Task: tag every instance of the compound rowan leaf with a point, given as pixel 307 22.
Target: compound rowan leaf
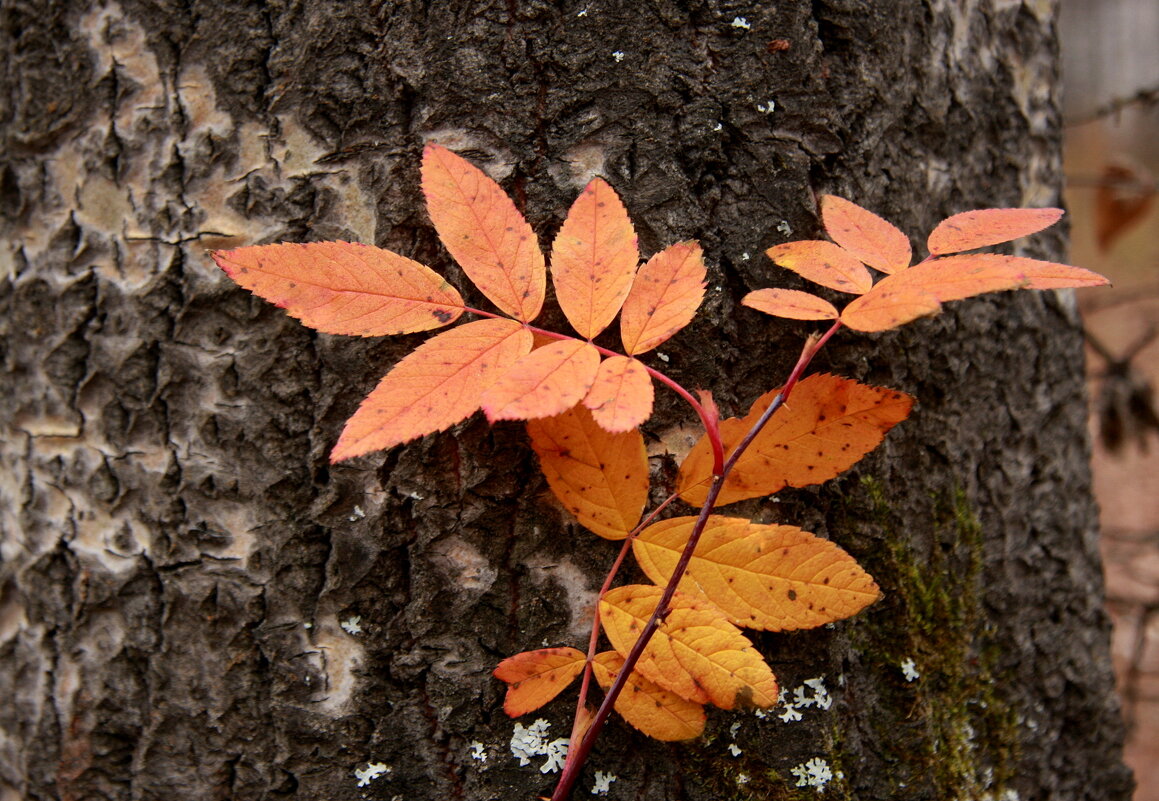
pixel 621 397
pixel 535 677
pixel 790 303
pixel 344 287
pixel 485 233
pixel 547 381
pixel 600 477
pixel 437 385
pixel 593 259
pixel 828 426
pixel 823 263
pixel 664 297
pixel 653 710
pixel 871 239
pixel 978 229
pixel 695 653
pixel 769 577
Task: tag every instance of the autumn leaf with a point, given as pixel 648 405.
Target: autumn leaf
pixel 621 397
pixel 829 426
pixel 485 233
pixel 868 237
pixel 664 297
pixel 695 653
pixel 984 227
pixel 535 677
pixel 593 259
pixel 546 381
pixel 790 303
pixel 823 263
pixel 769 577
pixel 600 477
pixel 344 287
pixel 653 710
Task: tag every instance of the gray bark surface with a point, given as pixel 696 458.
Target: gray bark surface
pixel 178 555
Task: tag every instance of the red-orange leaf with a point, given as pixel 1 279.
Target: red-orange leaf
pixel 600 477
pixel 648 706
pixel 978 229
pixel 621 397
pixel 664 297
pixel 434 387
pixel 875 241
pixel 823 263
pixel 790 303
pixel 535 677
pixel 546 381
pixel 593 259
pixel 829 424
pixel 485 233
pixel 344 287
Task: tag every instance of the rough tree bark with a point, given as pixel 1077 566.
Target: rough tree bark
pixel 178 555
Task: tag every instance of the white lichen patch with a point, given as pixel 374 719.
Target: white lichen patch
pixel 742 23
pixel 352 625
pixel 909 670
pixel 531 741
pixel 814 773
pixel 734 750
pixel 812 693
pixel 768 107
pixel 372 771
pixel 601 782
pixel 618 55
pixel 478 751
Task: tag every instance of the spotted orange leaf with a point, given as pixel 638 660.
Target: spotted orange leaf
pixel 790 303
pixel 871 239
pixel 823 263
pixel 344 287
pixel 485 233
pixel 769 577
pixel 664 297
pixel 649 707
pixel 593 259
pixel 829 424
pixel 695 653
pixel 600 477
pixel 978 229
pixel 546 381
pixel 621 397
pixel 535 677
pixel 435 386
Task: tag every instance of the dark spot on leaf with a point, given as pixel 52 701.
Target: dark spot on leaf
pixel 792 595
pixel 442 315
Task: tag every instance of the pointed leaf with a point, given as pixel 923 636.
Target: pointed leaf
pixel 546 381
pixel 344 287
pixel 790 303
pixel 695 652
pixel 978 229
pixel 829 424
pixel 886 307
pixel 485 233
pixel 774 578
pixel 823 263
pixel 871 239
pixel 438 384
pixel 593 259
pixel 653 710
pixel 664 297
pixel 621 397
pixel 599 477
pixel 535 677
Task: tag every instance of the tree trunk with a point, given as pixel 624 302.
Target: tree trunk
pixel 184 576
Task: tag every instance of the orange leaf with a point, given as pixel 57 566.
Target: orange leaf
pixel 599 477
pixel 823 263
pixel 978 229
pixel 593 259
pixel 886 307
pixel 344 287
pixel 664 297
pixel 790 303
pixel 775 578
pixel 871 239
pixel 485 233
pixel 546 381
pixel 695 652
pixel 828 426
pixel 535 677
pixel 647 706
pixel 435 386
pixel 621 397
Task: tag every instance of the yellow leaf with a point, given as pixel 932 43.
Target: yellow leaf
pixel 535 677
pixel 823 263
pixel 647 706
pixel 621 397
